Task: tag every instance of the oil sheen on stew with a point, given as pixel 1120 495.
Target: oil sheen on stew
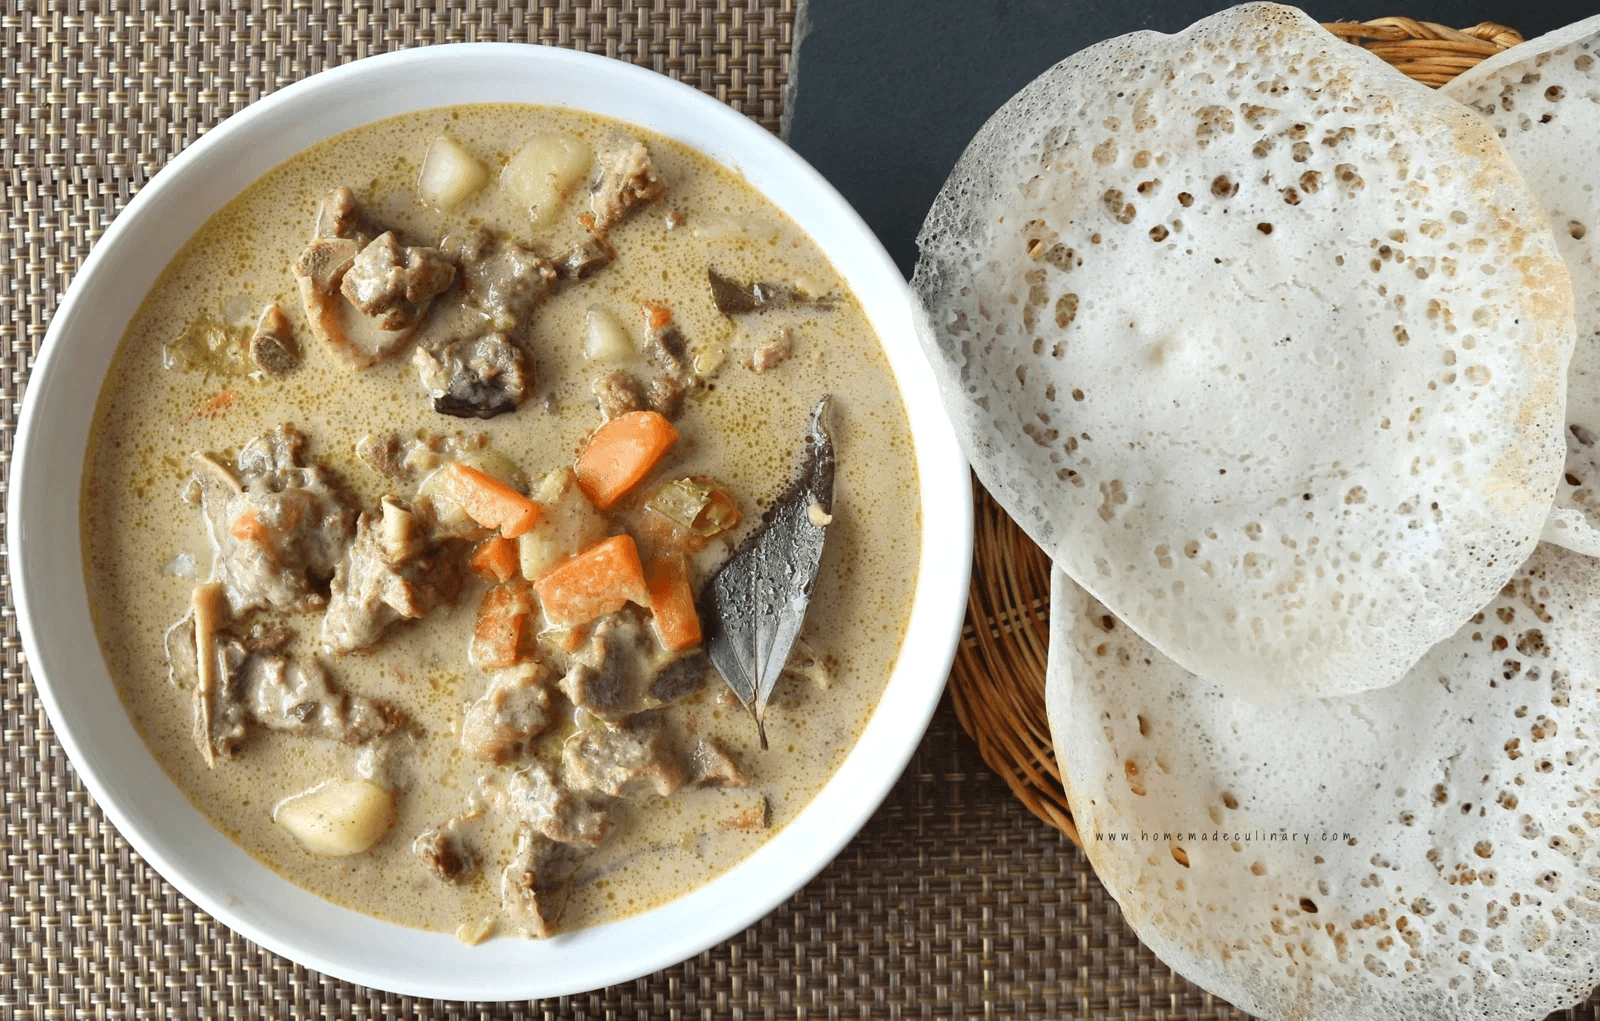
pixel 397 581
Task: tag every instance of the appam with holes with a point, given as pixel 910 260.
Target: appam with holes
pixel 1542 98
pixel 1262 341
pixel 1422 852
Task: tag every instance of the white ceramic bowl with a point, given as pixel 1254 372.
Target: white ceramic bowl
pixel 52 604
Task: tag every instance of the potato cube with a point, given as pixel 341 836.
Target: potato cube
pixel 449 174
pixel 337 817
pixel 542 174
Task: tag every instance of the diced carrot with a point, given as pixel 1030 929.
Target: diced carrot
pixel 247 527
pixel 672 603
pixel 501 626
pixel 620 454
pixel 659 316
pixel 595 582
pixel 213 407
pixel 495 559
pixel 490 502
pixel 575 639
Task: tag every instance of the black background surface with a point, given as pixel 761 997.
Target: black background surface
pixel 890 91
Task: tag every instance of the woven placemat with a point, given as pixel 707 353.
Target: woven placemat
pixel 954 902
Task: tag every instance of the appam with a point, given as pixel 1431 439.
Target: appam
pixel 1542 98
pixel 1427 851
pixel 1261 341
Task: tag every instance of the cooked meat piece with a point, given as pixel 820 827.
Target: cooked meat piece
pixel 237 682
pixel 773 353
pixel 277 528
pixel 272 346
pixel 626 180
pixel 533 796
pixel 666 396
pixel 710 765
pixel 445 852
pixel 665 348
pixel 386 454
pixel 392 571
pixel 355 339
pixel 536 884
pixel 630 762
pixel 680 678
pixel 609 675
pixel 403 459
pixel 584 259
pixel 394 284
pixel 501 632
pixel 478 377
pixel 339 215
pixel 618 393
pixel 300 699
pixel 504 279
pixel 513 711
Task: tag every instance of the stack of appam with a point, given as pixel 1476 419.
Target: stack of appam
pixel 1276 353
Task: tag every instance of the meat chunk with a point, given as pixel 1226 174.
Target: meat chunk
pixel 536 884
pixel 534 797
pixel 772 354
pixel 666 396
pixel 273 348
pixel 630 762
pixel 680 678
pixel 666 349
pixel 514 710
pixel 584 259
pixel 356 340
pixel 610 674
pixel 627 180
pixel 340 215
pixel 618 393
pixel 278 527
pixel 476 377
pixel 299 698
pixel 394 284
pixel 403 459
pixel 392 571
pixel 445 852
pixel 504 279
pixel 237 682
pixel 710 765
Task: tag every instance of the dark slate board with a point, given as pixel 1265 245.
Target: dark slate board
pixel 889 91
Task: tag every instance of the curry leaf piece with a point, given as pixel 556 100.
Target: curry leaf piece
pixel 753 606
pixel 733 298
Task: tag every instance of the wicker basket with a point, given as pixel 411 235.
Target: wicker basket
pixel 997 685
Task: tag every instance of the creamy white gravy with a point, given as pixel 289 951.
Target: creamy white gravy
pixel 747 430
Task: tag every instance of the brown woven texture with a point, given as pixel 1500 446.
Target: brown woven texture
pixel 953 903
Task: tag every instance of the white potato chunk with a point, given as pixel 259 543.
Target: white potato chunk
pixel 569 526
pixel 337 817
pixel 449 174
pixel 604 339
pixel 544 171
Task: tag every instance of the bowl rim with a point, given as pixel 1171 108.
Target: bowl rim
pixel 656 938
